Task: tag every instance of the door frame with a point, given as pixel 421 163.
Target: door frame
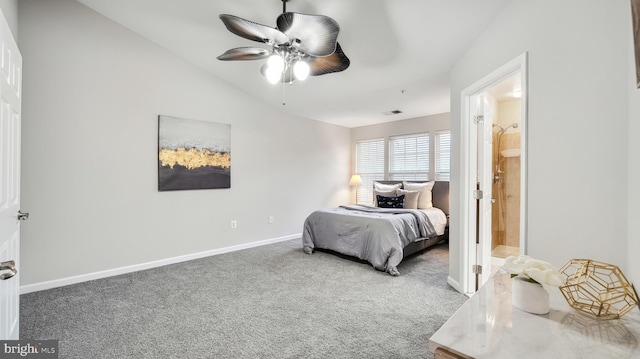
pixel 469 162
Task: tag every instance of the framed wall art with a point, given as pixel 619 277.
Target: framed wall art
pixel 193 154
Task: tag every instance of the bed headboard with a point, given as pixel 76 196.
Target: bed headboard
pixel 440 193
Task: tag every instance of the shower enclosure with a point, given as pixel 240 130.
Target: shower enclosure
pixel 506 190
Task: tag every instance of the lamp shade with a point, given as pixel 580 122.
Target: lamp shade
pixel 355 180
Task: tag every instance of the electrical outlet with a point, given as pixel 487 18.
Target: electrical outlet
pixel 234 224
pixel 270 219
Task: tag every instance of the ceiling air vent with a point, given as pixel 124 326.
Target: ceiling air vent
pixel 394 112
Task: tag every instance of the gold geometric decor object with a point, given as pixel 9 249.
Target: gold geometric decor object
pixel 597 288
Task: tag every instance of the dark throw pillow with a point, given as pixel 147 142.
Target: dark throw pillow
pixel 390 202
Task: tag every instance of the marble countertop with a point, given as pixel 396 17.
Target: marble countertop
pixel 488 326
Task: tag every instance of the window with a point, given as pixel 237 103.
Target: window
pixel 415 157
pixel 443 155
pixel 370 167
pixel 409 157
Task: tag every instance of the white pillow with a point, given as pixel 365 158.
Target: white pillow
pixel 425 198
pixel 410 198
pixel 386 187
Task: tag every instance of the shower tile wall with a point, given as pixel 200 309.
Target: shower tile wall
pixel 511 167
pixel 497 226
pixel 506 230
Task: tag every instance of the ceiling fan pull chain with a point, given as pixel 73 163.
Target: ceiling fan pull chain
pixel 284 103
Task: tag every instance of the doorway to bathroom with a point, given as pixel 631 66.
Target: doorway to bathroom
pixel 493 171
pixel 506 103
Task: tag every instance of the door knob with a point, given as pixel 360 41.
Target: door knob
pixel 8 265
pixel 23 216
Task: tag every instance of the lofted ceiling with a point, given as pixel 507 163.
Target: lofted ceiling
pixel 401 51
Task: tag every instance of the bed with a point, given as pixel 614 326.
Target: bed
pixel 383 236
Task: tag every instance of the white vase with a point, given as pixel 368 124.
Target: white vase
pixel 530 297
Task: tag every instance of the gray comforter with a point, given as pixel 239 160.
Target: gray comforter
pixel 377 235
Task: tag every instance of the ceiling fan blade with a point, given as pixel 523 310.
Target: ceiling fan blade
pixel 252 30
pixel 244 53
pixel 318 34
pixel 335 62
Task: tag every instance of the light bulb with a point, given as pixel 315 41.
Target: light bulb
pixel 517 91
pixel 301 70
pixel 276 62
pixel 272 75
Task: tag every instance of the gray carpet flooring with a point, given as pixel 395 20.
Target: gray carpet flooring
pixel 273 301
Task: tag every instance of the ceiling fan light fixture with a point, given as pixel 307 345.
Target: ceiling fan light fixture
pixel 273 75
pixel 301 70
pixel 276 63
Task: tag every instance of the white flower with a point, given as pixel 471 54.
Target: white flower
pixel 533 270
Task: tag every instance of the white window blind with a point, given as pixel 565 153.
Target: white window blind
pixel 409 157
pixel 443 155
pixel 370 167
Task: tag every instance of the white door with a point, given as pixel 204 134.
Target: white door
pixel 481 138
pixel 10 99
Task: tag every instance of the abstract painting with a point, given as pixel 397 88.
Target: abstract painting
pixel 193 154
pixel 635 14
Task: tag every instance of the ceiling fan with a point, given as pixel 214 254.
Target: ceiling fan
pixel 300 45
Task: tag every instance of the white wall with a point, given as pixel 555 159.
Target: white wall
pixel 415 125
pixel 633 237
pixel 10 11
pixel 577 126
pixel 508 113
pixel 92 94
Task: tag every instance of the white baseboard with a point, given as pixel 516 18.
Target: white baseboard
pixel 452 282
pixel 142 266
